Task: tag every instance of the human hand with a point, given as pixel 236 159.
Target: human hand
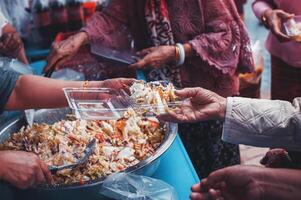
pixel 201 105
pixel 274 21
pixel 232 183
pixel 65 50
pixel 155 57
pixel 23 170
pixel 117 83
pixel 10 44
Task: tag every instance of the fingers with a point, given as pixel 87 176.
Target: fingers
pixel 140 64
pixel 144 52
pixel 217 177
pixel 285 15
pixel 172 117
pixel 278 33
pixel 39 176
pixel 188 92
pixel 215 194
pixel 46 172
pixel 196 187
pixel 127 81
pixel 200 196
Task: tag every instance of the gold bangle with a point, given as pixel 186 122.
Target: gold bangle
pixel 85 84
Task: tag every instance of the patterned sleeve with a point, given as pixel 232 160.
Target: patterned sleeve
pixel 8 80
pixel 260 6
pixel 225 44
pixel 104 24
pixel 263 123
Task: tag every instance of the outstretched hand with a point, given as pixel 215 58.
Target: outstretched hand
pixel 232 183
pixel 200 105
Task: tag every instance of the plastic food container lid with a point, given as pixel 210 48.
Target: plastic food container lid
pixel 293 28
pixel 97 103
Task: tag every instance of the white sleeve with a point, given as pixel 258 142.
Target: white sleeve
pixel 263 123
pixel 3 22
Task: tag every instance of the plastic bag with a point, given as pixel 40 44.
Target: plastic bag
pixel 250 82
pixel 67 74
pixel 134 187
pixel 15 65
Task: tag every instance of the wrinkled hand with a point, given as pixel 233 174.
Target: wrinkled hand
pixel 232 183
pixel 155 57
pixel 117 84
pixel 65 50
pixel 201 105
pixel 10 44
pixel 23 170
pixel 275 19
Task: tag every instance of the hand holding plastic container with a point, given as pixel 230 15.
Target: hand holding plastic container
pixel 293 28
pixel 146 99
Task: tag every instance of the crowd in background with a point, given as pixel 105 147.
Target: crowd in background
pixel 193 44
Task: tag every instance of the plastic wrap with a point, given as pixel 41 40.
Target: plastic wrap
pixel 134 187
pixel 250 83
pixel 68 75
pixel 15 65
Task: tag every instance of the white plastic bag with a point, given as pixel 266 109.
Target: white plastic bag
pixel 124 186
pixel 67 74
pixel 15 65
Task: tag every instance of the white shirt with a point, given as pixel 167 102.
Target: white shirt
pixel 3 22
pixel 263 123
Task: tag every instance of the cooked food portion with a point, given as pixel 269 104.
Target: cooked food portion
pixel 153 92
pixel 294 27
pixel 154 97
pixel 120 144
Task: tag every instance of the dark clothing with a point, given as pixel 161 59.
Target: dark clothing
pixel 8 79
pixel 286 80
pixel 205 147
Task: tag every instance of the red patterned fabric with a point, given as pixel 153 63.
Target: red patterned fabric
pixel 160 33
pixel 212 27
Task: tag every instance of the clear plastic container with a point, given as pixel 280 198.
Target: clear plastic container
pixel 293 28
pixel 97 104
pixel 159 105
pixel 109 104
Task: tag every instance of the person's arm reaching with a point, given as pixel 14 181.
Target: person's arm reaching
pixel 249 183
pixel 255 122
pixel 99 28
pixel 260 6
pixel 40 92
pixel 272 17
pixel 263 123
pixel 11 44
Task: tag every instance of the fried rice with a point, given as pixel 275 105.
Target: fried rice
pixel 120 144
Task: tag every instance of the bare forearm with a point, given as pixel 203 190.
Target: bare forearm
pixel 39 92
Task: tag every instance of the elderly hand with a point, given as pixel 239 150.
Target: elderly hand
pixel 155 57
pixel 10 44
pixel 232 183
pixel 201 105
pixel 23 170
pixel 65 50
pixel 275 19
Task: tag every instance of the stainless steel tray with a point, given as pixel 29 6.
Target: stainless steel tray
pixel 90 190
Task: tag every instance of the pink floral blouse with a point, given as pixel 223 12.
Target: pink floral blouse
pixel 212 27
